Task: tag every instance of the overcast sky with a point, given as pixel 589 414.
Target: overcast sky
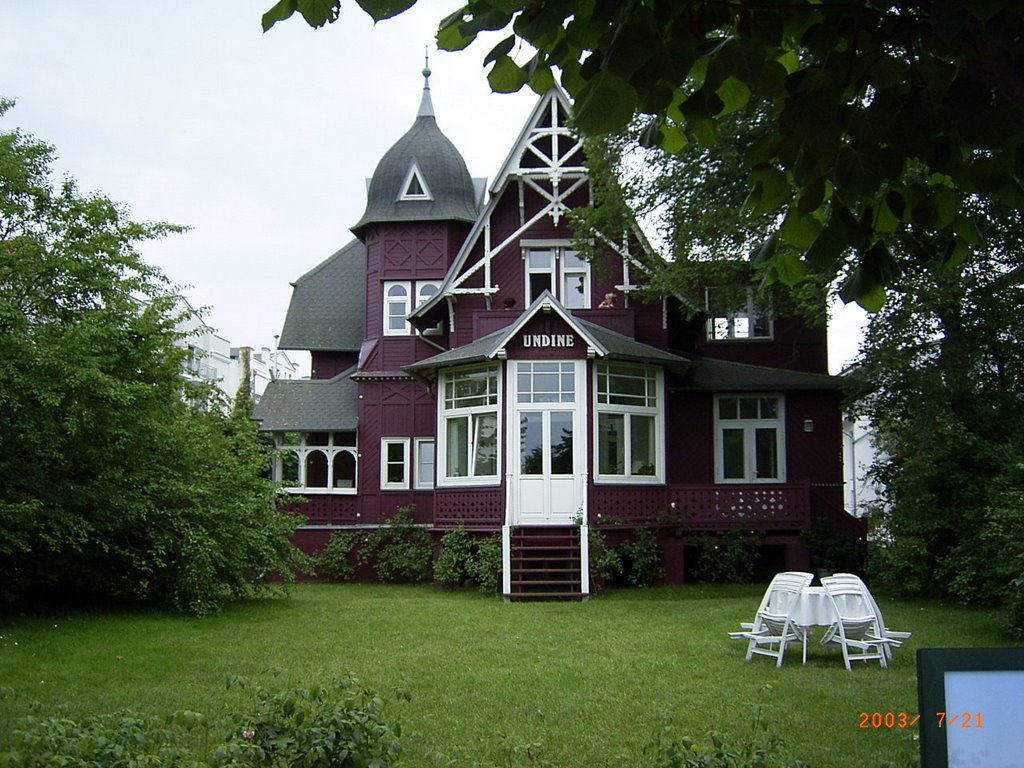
pixel 261 143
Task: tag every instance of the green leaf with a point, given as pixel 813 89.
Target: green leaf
pixel 319 12
pixel 450 35
pixel 873 299
pixel 501 49
pixel 385 9
pixel 282 10
pixel 672 139
pixel 790 268
pixel 606 103
pixel 800 231
pixel 734 94
pixel 770 191
pixel 542 80
pixel 826 250
pixel 506 76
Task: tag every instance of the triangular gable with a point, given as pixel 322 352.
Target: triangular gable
pixel 545 303
pixel 545 149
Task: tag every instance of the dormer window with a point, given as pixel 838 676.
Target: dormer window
pixel 735 314
pixel 414 187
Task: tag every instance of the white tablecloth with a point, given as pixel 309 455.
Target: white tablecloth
pixel 813 608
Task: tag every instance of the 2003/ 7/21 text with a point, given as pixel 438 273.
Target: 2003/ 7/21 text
pixel 904 720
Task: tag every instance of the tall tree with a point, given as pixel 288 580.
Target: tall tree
pixel 942 382
pixel 116 481
pixel 694 202
pixel 863 94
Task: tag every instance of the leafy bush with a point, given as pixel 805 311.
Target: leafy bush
pixel 485 565
pixel 337 560
pixel 725 559
pixel 400 550
pixel 452 566
pixel 336 726
pixel 641 557
pixel 605 562
pixel 463 558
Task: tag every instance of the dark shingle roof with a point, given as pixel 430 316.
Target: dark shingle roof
pixel 328 302
pixel 309 405
pixel 723 376
pixel 610 344
pixel 452 193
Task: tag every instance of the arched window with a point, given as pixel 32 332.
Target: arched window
pixel 316 469
pixel 344 470
pixel 397 304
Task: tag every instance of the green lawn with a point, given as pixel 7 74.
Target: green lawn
pixel 589 683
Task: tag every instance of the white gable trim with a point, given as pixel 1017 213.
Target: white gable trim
pixel 546 303
pixel 564 146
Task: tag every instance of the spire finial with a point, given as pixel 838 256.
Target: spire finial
pixel 426 105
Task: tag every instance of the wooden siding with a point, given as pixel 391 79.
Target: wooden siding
pixel 327 365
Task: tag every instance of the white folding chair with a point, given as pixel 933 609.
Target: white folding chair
pixel 857 629
pixel 772 631
pixel 895 637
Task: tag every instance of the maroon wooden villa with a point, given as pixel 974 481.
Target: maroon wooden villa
pixel 466 362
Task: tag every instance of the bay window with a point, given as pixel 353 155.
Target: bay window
pixel 469 426
pixel 629 423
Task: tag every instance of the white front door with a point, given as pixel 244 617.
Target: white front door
pixel 547 451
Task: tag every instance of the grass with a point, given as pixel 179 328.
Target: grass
pixel 589 684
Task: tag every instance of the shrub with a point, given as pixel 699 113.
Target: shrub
pixel 399 549
pixel 605 562
pixel 452 566
pixel 336 726
pixel 463 558
pixel 336 560
pixel 726 559
pixel 485 565
pixel 642 559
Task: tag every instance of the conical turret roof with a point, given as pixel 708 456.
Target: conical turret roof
pixel 421 178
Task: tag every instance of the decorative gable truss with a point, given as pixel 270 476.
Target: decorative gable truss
pixel 546 159
pixel 547 163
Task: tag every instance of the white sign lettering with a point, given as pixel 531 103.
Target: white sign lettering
pixel 548 340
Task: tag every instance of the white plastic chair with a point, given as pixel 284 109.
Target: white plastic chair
pixel 772 631
pixel 896 638
pixel 857 629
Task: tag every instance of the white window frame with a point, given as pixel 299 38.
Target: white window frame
pixel 447 412
pixel 405 194
pixel 749 427
pixel 404 303
pixel 422 481
pixel 385 443
pixel 726 326
pixel 557 271
pixel 420 285
pixel 653 409
pixel 575 270
pixel 302 451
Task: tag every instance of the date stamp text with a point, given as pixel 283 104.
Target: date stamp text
pixel 890 720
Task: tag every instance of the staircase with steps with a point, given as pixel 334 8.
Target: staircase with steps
pixel 546 563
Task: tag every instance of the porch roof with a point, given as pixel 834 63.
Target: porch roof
pixel 606 344
pixel 712 375
pixel 309 405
